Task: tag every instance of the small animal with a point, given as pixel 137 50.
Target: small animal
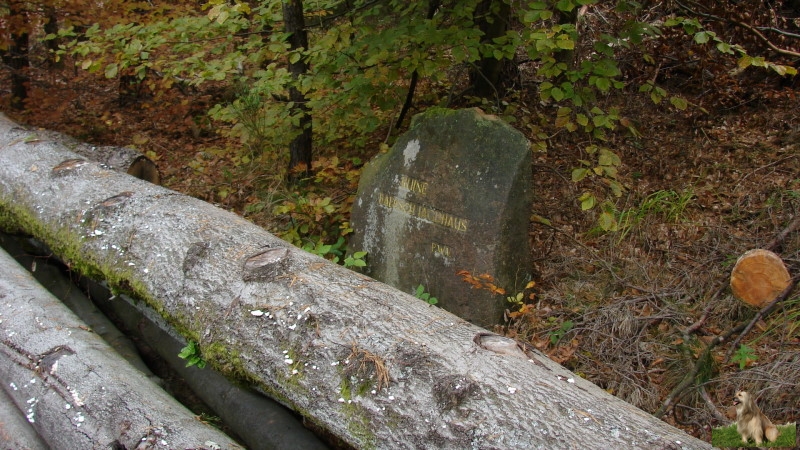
pixel 750 421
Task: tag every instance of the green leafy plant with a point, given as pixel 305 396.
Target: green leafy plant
pixel 519 307
pixel 744 356
pixel 421 294
pixel 356 260
pixel 701 35
pixel 191 353
pixel 557 334
pixel 603 167
pixel 335 253
pixel 317 222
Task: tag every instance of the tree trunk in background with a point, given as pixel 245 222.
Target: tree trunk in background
pixel 51 27
pixel 433 5
pixel 364 361
pixel 568 56
pixel 16 55
pixel 300 148
pixel 492 17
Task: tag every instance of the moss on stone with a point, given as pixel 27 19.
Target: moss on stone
pixel 431 113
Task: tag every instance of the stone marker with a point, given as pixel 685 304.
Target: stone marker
pixel 452 194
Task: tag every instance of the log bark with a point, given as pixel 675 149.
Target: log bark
pixel 15 431
pixel 372 365
pixel 124 159
pixel 73 389
pixel 241 410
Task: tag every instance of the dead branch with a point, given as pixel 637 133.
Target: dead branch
pixel 791 228
pixel 765 40
pixel 750 28
pixel 711 406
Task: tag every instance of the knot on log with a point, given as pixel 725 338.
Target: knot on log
pixel 197 251
pixel 95 216
pixel 67 167
pixel 144 169
pixel 451 391
pixel 265 265
pixel 499 344
pixel 118 199
pixel 47 361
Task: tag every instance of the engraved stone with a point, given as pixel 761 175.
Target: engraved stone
pixel 453 194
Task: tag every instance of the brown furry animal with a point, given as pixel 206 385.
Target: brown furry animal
pixel 750 421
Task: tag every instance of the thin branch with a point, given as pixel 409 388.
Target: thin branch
pixel 743 327
pixel 766 40
pixel 779 31
pixel 433 5
pixel 689 378
pixel 748 27
pixel 774 163
pixel 712 407
pixel 791 228
pixel 412 86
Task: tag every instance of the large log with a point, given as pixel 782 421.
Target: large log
pixel 123 159
pixel 239 409
pixel 372 365
pixel 73 389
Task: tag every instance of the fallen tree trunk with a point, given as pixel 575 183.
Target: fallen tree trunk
pixel 73 388
pixel 123 159
pixel 372 365
pixel 239 409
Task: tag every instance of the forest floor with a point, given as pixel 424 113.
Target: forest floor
pixel 630 310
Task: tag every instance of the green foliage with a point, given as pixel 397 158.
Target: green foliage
pixel 519 307
pixel 744 356
pixel 356 260
pixel 317 222
pixel 602 168
pixel 335 252
pixel 700 35
pixel 421 294
pixel 361 57
pixel 191 353
pixel 556 335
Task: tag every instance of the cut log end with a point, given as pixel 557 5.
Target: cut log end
pixel 144 169
pixel 758 277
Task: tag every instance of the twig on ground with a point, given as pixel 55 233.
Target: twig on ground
pixel 791 228
pixel 689 379
pixel 712 407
